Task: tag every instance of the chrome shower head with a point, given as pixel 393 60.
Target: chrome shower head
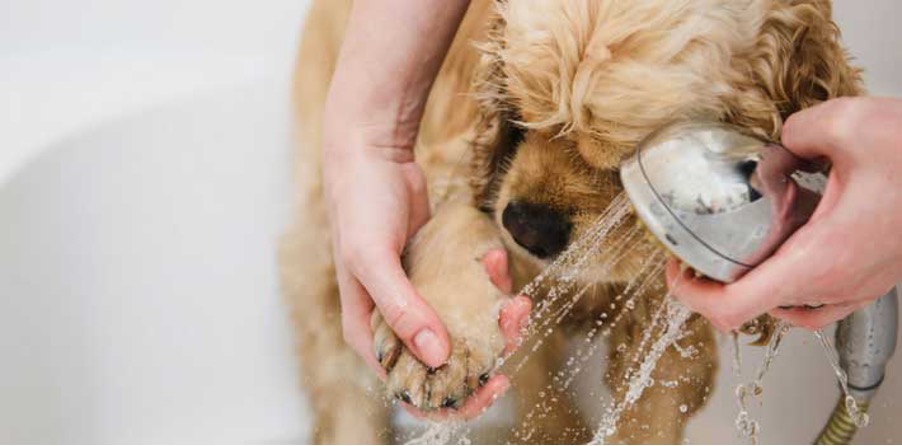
pixel 720 198
pixel 723 200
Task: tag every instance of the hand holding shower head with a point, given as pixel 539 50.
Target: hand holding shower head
pixel 720 198
pixel 723 200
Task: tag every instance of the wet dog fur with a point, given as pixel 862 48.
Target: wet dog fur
pixel 536 104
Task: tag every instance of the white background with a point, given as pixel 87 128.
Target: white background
pixel 144 157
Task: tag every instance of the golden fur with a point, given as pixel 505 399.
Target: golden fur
pixel 541 99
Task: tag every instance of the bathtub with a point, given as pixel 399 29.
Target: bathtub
pixel 143 184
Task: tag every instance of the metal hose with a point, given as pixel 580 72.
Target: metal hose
pixel 865 342
pixel 840 429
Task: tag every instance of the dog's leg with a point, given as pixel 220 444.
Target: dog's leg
pixel 545 414
pixel 444 264
pixel 683 377
pixel 343 392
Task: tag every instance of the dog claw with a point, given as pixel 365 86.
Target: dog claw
pixel 386 347
pixel 475 345
pixel 387 359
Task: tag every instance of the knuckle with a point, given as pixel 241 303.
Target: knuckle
pixel 810 322
pixel 731 320
pixel 717 319
pixel 719 324
pixel 401 319
pixel 363 257
pixel 844 116
pixel 351 254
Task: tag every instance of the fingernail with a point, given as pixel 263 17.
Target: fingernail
pixel 429 348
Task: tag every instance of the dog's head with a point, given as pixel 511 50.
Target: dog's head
pixel 569 87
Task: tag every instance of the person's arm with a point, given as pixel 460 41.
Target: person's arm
pixel 390 57
pixel 376 193
pixel 850 252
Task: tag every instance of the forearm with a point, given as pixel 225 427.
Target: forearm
pixel 392 52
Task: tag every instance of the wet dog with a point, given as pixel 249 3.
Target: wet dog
pixel 536 104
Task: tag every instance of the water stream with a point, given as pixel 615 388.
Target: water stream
pixel 671 317
pixel 646 278
pixel 553 289
pixel 748 428
pixel 858 416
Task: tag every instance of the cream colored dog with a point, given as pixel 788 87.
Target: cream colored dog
pixel 535 106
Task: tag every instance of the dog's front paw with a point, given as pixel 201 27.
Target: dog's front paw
pixel 470 365
pixel 457 264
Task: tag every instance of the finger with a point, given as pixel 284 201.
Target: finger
pixel 796 271
pixel 513 319
pixel 815 319
pixel 822 130
pixel 705 297
pixel 483 398
pixel 675 274
pixel 496 266
pixel 406 312
pixel 474 406
pixel 356 312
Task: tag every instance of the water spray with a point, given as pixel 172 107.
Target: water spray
pixel 723 200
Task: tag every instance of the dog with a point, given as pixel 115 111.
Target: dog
pixel 537 103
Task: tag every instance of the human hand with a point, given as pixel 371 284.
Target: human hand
pixel 375 193
pixel 849 253
pixel 377 200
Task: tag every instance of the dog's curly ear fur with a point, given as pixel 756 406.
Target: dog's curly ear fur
pixel 797 62
pixel 497 134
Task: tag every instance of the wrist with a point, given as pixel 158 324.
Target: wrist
pixel 384 118
pixel 345 143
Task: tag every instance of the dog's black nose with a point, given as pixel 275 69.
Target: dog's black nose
pixel 543 231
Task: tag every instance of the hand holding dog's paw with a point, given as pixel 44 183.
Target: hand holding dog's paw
pixel 483 324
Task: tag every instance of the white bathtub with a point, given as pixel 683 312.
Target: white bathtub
pixel 144 176
pixel 139 302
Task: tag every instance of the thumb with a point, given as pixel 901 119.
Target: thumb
pixel 406 312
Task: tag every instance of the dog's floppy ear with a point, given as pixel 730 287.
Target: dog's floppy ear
pixel 796 62
pixel 497 134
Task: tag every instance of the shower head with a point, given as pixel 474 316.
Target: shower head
pixel 719 197
pixel 723 200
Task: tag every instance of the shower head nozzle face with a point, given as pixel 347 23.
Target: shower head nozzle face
pixel 718 197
